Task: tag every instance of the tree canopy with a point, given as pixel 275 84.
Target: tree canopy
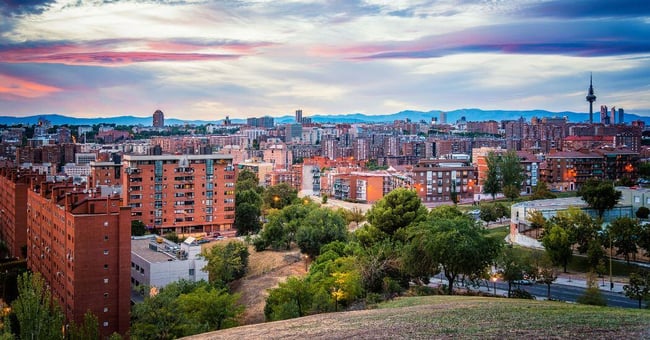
pixel 396 211
pixel 320 227
pixel 226 262
pixel 599 195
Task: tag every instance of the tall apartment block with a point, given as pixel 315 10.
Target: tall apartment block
pixel 158 119
pixel 180 193
pixel 81 245
pixel 437 180
pixel 14 185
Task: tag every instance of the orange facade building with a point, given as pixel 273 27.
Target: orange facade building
pixel 180 193
pixel 81 245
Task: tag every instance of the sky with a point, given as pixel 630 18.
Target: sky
pixel 197 59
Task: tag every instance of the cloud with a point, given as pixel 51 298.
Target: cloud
pixel 16 87
pixel 23 7
pixel 111 52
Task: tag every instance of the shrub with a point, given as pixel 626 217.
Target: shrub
pixel 521 294
pixel 642 212
pixel 592 296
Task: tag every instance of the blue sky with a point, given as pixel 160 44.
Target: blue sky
pixel 199 59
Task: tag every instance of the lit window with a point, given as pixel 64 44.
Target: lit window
pixel 106 252
pixel 105 323
pixel 105 280
pixel 105 309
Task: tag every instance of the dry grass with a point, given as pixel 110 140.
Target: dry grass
pixel 266 270
pixel 445 317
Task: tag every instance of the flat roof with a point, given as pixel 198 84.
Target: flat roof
pixel 128 157
pixel 554 203
pixel 140 246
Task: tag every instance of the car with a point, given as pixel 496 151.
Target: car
pixel 524 282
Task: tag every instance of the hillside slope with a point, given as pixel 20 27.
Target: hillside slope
pixel 456 317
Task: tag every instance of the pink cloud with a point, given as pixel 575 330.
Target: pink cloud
pixel 16 87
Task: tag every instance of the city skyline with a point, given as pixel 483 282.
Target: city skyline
pixel 208 60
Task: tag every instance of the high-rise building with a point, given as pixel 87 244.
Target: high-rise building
pixel 81 245
pixel 591 98
pixel 298 116
pixel 158 119
pixel 180 193
pixel 621 116
pixel 604 115
pixel 443 117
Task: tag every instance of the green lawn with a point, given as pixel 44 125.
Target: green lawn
pixel 498 232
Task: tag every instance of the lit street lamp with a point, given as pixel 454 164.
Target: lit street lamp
pixel 494 284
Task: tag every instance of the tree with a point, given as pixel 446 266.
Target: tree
pixel 459 245
pixel 280 231
pixel 512 267
pixel 89 329
pixel 279 196
pixel 546 274
pixel 381 260
pixel 511 191
pixel 292 299
pixel 642 213
pixel 558 246
pixel 541 191
pixel 320 227
pixel 138 228
pixel 584 229
pixel 488 213
pixel 355 215
pixel 536 219
pixel 639 287
pixel 159 316
pixel 599 195
pixel 492 183
pixel 644 238
pixel 395 212
pixel 624 232
pixel 592 295
pixel 247 180
pixel 595 254
pixel 247 212
pixel 37 312
pixel 210 308
pixel 226 263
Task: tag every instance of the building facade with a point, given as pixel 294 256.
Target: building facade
pixel 440 180
pixel 180 193
pixel 80 244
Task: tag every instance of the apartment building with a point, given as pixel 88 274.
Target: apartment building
pixel 81 246
pixel 437 180
pixel 180 193
pixel 14 185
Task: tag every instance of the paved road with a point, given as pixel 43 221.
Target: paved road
pixel 559 292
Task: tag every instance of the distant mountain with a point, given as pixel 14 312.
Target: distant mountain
pixel 414 116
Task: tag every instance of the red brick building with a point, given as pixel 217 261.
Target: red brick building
pixel 180 193
pixel 81 246
pixel 14 184
pixel 436 180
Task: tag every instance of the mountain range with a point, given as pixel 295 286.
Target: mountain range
pixel 414 116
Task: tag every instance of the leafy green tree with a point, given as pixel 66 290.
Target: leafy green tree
pixel 512 174
pixel 599 195
pixel 584 228
pixel 638 287
pixel 592 295
pixel 459 245
pixel 546 274
pixel 138 228
pixel 624 232
pixel 292 299
pixel 247 212
pixel 355 215
pixel 536 219
pixel 595 254
pixel 226 263
pixel 379 261
pixel 88 329
pixel 644 170
pixel 210 308
pixel 159 316
pixel 492 183
pixel 39 316
pixel 395 212
pixel 644 238
pixel 488 213
pixel 247 180
pixel 279 196
pixel 558 245
pixel 513 267
pixel 541 191
pixel 280 231
pixel 320 227
pixel 642 212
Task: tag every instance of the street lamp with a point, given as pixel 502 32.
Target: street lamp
pixel 494 284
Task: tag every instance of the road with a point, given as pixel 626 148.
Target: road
pixel 560 292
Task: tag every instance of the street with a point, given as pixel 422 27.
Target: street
pixel 559 292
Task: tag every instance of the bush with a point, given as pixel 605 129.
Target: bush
pixel 260 244
pixel 521 294
pixel 423 291
pixel 642 212
pixel 592 296
pixel 324 199
pixel 373 299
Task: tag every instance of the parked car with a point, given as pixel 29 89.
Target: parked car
pixel 524 282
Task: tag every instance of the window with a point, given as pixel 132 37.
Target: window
pixel 105 266
pixel 105 323
pixel 105 237
pixel 105 309
pixel 105 251
pixel 105 295
pixel 106 280
pixel 192 272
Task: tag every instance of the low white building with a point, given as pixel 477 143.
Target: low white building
pixel 156 261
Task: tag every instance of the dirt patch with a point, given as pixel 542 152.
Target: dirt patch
pixel 266 270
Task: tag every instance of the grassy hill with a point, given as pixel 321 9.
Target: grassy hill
pixel 456 317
